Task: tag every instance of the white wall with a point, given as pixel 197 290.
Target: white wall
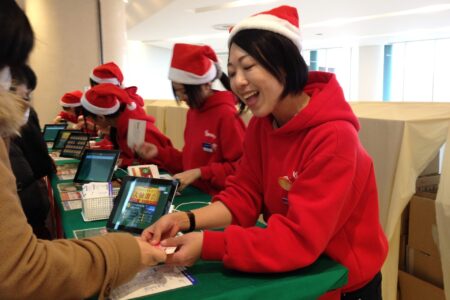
pixel 114 30
pixel 147 67
pixel 66 49
pixel 370 73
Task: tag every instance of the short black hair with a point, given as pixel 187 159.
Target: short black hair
pixel 194 96
pixel 92 82
pixel 24 75
pixel 16 35
pixel 278 55
pixel 194 92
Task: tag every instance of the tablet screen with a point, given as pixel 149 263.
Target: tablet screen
pixel 75 145
pixel 140 203
pixel 96 165
pixel 51 131
pixel 62 137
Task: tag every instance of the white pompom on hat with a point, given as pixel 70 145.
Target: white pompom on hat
pixel 107 73
pixel 194 64
pixel 71 99
pixel 104 99
pixel 282 20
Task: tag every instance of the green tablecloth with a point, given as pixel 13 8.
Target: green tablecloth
pixel 216 282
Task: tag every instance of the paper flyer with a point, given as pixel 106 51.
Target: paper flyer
pixel 69 191
pixel 150 171
pixel 66 171
pixel 154 280
pixel 87 233
pixel 71 205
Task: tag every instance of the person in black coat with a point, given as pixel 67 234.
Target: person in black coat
pixel 29 157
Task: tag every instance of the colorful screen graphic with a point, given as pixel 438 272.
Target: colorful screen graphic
pixel 141 204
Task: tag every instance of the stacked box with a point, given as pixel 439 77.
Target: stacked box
pixel 420 271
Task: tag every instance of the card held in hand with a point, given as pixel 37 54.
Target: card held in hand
pixel 136 132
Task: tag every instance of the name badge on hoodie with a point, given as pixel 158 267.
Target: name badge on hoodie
pixel 208 147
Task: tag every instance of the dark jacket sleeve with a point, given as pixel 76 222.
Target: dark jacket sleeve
pixel 32 192
pixel 34 147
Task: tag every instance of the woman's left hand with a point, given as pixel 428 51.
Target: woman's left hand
pixel 189 249
pixel 187 177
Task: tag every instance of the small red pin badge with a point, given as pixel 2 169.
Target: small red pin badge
pixel 285 183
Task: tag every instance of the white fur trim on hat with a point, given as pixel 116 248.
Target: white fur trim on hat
pixel 64 104
pixel 131 106
pixel 113 80
pixel 184 77
pixel 269 23
pixel 99 110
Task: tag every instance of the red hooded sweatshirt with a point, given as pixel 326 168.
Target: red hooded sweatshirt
pixel 213 138
pixel 132 93
pixel 331 207
pixel 152 135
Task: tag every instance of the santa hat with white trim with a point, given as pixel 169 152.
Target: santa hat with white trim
pixel 105 99
pixel 282 20
pixel 194 64
pixel 71 99
pixel 107 73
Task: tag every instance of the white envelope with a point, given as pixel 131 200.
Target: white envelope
pixel 136 132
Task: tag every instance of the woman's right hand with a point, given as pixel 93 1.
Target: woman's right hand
pixel 166 227
pixel 147 150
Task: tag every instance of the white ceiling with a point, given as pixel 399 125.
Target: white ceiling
pixel 165 22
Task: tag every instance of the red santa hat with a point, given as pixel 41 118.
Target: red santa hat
pixel 105 99
pixel 193 64
pixel 71 99
pixel 107 73
pixel 282 20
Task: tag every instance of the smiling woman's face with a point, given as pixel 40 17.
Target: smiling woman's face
pixel 252 83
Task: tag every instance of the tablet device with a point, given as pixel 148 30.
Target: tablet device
pixel 96 166
pixel 51 131
pixel 75 145
pixel 141 202
pixel 62 137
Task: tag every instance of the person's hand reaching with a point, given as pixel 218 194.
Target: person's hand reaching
pixel 150 255
pixel 187 177
pixel 146 151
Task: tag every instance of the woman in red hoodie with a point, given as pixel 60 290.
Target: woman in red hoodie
pixel 110 73
pixel 214 131
pixel 110 106
pixel 70 103
pixel 73 113
pixel 303 168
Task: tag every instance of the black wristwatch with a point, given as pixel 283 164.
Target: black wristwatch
pixel 191 217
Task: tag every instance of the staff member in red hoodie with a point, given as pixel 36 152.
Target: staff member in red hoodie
pixel 110 106
pixel 303 168
pixel 111 73
pixel 214 131
pixel 70 103
pixel 73 112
